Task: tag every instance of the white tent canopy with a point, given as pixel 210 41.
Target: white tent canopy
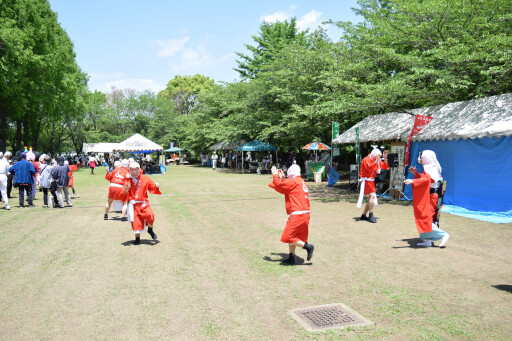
pixel 137 143
pixel 99 147
pixel 485 117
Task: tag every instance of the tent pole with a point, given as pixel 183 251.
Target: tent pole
pixel 242 162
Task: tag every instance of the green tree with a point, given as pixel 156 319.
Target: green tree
pixel 183 91
pixel 39 78
pixel 272 39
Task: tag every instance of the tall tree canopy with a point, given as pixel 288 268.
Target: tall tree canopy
pixel 40 81
pixel 404 54
pixel 273 38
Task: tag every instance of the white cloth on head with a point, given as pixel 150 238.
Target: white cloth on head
pixel 293 171
pixel 375 153
pixel 431 165
pixel 117 164
pixel 125 163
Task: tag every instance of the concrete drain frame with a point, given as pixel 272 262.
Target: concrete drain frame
pixel 329 316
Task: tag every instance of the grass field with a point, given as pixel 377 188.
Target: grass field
pixel 216 272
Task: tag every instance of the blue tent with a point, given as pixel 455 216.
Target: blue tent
pixel 172 150
pixel 256 146
pixel 472 141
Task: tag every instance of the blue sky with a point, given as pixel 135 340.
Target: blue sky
pixel 144 44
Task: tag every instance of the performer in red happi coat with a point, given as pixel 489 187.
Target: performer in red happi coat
pixel 116 190
pixel 370 167
pixel 72 168
pixel 297 206
pixel 425 187
pixel 140 213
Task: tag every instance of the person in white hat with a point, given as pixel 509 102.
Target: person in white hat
pixel 297 207
pixel 425 188
pixel 140 213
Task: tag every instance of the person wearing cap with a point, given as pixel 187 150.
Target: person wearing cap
pixel 296 198
pixel 140 213
pixel 61 178
pixel 24 177
pixel 4 171
pixel 425 188
pixel 369 169
pixel 116 190
pixel 46 179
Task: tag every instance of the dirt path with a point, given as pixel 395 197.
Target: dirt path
pixel 215 272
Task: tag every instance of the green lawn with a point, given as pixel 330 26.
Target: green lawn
pixel 215 272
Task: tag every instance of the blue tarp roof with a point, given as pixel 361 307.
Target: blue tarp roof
pixel 173 149
pixel 255 146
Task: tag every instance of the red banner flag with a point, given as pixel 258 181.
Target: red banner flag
pixel 420 122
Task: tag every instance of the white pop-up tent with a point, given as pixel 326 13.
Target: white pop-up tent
pixel 99 147
pixel 138 143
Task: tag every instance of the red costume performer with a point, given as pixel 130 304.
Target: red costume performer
pixel 370 167
pixel 117 178
pixel 297 206
pixel 139 212
pixel 424 192
pixel 423 202
pixel 72 168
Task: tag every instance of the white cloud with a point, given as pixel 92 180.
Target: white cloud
pixel 131 83
pixel 310 20
pixel 279 16
pixel 227 57
pixel 275 17
pixel 170 47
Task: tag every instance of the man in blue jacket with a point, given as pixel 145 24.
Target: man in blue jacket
pixel 24 177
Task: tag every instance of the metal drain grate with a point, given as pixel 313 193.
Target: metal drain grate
pixel 329 316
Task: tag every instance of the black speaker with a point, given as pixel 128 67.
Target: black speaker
pixel 393 160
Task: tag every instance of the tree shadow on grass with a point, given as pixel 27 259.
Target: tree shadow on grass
pixel 284 256
pixel 504 287
pixel 142 242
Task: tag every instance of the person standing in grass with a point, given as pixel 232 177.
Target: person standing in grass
pixel 140 213
pixel 214 158
pixel 46 179
pixel 425 189
pixel 369 169
pixel 4 171
pixel 24 177
pixel 93 162
pixel 297 206
pixel 72 168
pixel 61 179
pixel 116 190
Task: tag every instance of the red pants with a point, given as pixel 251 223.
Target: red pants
pixel 142 215
pixel 116 193
pixel 296 229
